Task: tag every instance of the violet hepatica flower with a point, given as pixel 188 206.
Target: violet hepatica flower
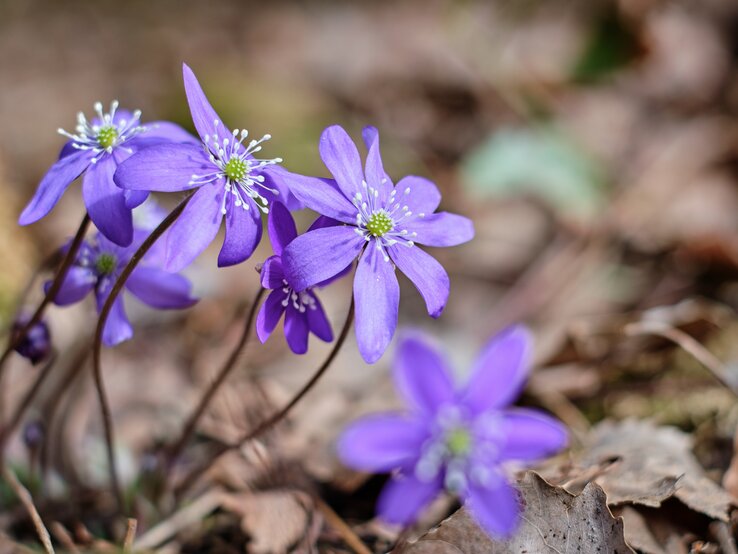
pixel 98 265
pixel 383 226
pixel 454 437
pixel 303 313
pixel 95 149
pixel 231 183
pixel 36 345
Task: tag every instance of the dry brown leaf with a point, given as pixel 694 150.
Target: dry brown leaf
pixel 553 521
pixel 637 532
pixel 276 521
pixel 653 464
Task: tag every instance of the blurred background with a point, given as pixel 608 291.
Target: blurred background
pixel 594 144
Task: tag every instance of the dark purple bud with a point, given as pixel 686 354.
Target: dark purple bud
pixel 33 434
pixel 36 344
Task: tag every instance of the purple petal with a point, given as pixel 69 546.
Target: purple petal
pixel 441 229
pixel 77 284
pixel 162 131
pixel 296 330
pixel 321 223
pixel 196 227
pixel 375 174
pixel 420 195
pixel 496 509
pixel 340 156
pixel 270 314
pixel 117 328
pixel 160 289
pixel 382 442
pixel 319 255
pixel 272 273
pixel 318 322
pixel 165 167
pixel 530 435
pixel 106 203
pixel 277 178
pixel 403 497
pixel 67 149
pixel 426 273
pixel 322 196
pixel 53 185
pixel 500 371
pixel 377 296
pixel 134 198
pixel 242 234
pixel 206 121
pixel 421 375
pixel 282 229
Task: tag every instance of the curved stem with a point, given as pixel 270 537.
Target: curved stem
pixel 189 429
pixel 267 424
pixel 97 342
pixel 17 337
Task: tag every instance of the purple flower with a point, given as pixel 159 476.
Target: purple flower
pixel 95 150
pixel 383 226
pixel 231 182
pixel 37 343
pixel 303 311
pixel 97 267
pixel 454 437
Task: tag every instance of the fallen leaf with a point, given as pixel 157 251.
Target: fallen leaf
pixel 553 521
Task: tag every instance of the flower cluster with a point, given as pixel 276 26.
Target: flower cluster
pixel 451 437
pixel 454 437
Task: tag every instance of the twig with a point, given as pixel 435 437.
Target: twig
pixel 97 343
pixel 189 429
pixel 688 344
pixel 132 525
pixel 25 497
pixel 192 513
pixel 64 537
pixel 722 533
pixel 335 521
pixel 192 477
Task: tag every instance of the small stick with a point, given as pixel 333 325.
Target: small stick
pixel 130 535
pixel 97 343
pixel 27 500
pixel 688 344
pixel 192 477
pixel 335 521
pixel 187 516
pixel 64 537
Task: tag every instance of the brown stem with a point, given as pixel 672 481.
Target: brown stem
pixel 189 429
pixel 267 424
pixel 17 337
pixel 25 403
pixel 97 342
pixel 27 500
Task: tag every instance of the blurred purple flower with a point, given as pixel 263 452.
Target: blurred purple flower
pixel 96 149
pixel 383 222
pixel 98 264
pixel 454 438
pixel 231 182
pixel 303 312
pixel 37 343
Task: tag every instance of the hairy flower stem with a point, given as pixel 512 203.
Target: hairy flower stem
pixel 17 337
pixel 97 343
pixel 267 424
pixel 172 453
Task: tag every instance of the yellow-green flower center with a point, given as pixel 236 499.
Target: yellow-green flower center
pixel 236 169
pixel 107 136
pixel 379 224
pixel 458 441
pixel 105 264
